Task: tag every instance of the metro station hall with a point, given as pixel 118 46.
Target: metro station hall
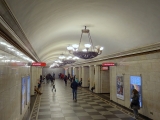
pixel 79 59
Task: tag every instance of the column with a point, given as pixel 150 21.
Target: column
pixel 105 82
pixel 91 76
pixel 85 76
pixel 80 73
pixel 66 71
pixel 69 71
pixel 97 79
pixel 76 72
pixel 35 76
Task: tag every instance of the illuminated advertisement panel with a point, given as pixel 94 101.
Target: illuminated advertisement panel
pixel 120 87
pixel 136 83
pixel 23 94
pixel 28 89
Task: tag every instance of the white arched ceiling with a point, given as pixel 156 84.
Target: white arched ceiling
pixel 118 25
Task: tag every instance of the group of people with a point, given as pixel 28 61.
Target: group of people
pixel 49 77
pixel 71 79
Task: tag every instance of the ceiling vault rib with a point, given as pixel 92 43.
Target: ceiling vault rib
pixel 9 18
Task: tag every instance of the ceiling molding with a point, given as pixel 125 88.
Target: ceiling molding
pixel 11 21
pixel 12 42
pixel 11 37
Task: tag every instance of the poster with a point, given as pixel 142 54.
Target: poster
pixel 23 94
pixel 28 90
pixel 120 87
pixel 136 83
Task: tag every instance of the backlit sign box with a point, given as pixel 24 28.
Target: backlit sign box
pixel 39 64
pixel 104 68
pixel 108 64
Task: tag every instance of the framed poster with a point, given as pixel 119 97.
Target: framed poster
pixel 120 87
pixel 28 90
pixel 23 94
pixel 136 83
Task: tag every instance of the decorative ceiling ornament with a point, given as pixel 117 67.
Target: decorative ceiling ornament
pixel 68 59
pixel 89 52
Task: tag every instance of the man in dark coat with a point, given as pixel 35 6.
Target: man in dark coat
pixel 74 86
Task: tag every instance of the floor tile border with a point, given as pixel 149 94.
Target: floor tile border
pixel 35 110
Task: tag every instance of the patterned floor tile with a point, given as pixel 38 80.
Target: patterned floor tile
pixel 59 105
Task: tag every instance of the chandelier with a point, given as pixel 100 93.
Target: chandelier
pixel 89 52
pixel 54 65
pixel 68 59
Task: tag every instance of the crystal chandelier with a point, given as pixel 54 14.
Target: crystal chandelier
pixel 89 52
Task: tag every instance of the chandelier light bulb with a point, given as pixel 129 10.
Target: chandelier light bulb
pixel 77 57
pixel 84 50
pixel 75 46
pixel 69 48
pixel 101 48
pixel 87 45
pixel 62 57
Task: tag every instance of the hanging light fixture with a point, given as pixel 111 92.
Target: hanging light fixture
pixel 89 52
pixel 68 59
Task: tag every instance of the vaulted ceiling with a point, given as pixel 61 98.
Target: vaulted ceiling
pixel 118 25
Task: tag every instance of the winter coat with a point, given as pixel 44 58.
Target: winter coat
pixel 135 102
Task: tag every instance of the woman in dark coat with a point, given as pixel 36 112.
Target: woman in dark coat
pixel 135 103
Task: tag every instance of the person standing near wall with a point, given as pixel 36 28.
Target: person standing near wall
pixel 135 103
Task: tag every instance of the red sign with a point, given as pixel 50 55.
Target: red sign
pixel 104 68
pixel 39 64
pixel 108 64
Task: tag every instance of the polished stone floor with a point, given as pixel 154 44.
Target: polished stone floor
pixel 59 105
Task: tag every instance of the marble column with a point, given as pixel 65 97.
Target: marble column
pixel 97 79
pixel 69 71
pixel 35 77
pixel 66 71
pixel 76 72
pixel 85 76
pixel 105 81
pixel 91 76
pixel 80 73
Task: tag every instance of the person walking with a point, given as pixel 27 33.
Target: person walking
pixel 135 103
pixel 74 86
pixel 65 79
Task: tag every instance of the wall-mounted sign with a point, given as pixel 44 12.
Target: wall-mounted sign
pixel 39 64
pixel 104 68
pixel 108 64
pixel 136 83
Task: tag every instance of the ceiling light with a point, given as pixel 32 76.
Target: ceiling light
pixel 89 52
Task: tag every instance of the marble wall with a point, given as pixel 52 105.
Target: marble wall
pixel 10 91
pixel 148 67
pixel 13 66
